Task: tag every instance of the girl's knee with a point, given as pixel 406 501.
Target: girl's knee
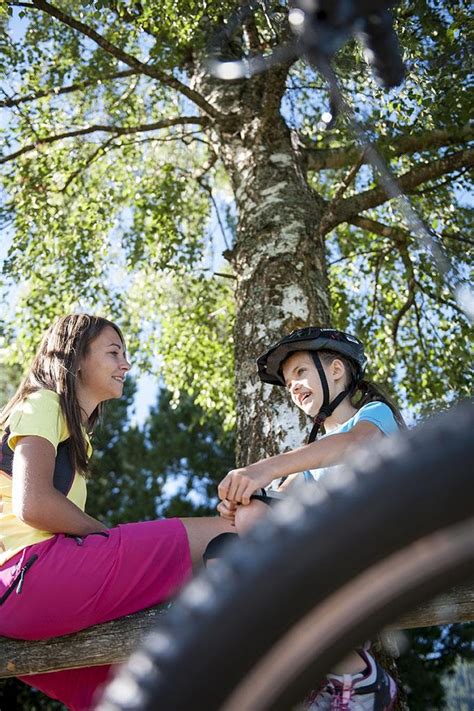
pixel 247 516
pixel 200 531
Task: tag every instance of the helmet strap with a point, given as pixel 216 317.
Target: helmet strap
pixel 327 408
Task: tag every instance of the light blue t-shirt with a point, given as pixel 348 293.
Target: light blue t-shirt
pixel 376 412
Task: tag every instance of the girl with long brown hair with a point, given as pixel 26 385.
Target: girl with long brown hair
pixel 60 569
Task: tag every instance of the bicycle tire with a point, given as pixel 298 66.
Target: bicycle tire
pixel 254 633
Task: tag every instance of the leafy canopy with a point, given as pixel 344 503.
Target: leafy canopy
pixel 113 187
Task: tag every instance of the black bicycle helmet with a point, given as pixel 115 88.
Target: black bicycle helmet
pixel 314 339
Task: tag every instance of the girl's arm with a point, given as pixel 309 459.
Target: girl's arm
pixel 36 501
pixel 239 484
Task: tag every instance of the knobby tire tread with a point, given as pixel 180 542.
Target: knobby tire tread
pixel 322 537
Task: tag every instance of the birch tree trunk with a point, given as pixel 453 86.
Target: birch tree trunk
pixel 278 257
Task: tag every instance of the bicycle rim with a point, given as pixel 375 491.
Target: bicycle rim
pixel 361 608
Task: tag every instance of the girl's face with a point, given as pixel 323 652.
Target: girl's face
pixel 303 382
pixel 101 372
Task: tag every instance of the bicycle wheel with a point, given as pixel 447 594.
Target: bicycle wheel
pixel 331 567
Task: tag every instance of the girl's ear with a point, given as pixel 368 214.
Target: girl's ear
pixel 337 369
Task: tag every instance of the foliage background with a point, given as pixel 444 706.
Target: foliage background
pixel 117 187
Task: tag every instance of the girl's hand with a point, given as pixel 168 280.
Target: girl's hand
pixel 227 510
pixel 239 484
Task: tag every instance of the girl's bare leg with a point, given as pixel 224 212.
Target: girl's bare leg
pixel 200 531
pixel 352 664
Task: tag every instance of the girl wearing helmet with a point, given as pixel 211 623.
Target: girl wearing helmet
pixel 323 370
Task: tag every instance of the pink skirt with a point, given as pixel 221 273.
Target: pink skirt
pixel 75 583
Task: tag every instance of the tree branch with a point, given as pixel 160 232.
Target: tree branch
pixel 410 300
pixel 350 207
pixel 9 103
pixel 187 138
pixel 324 158
pixel 100 150
pixel 437 298
pixel 128 59
pixel 347 180
pixel 398 234
pixel 401 238
pixel 419 328
pixel 354 255
pixel 225 276
pixel 208 189
pixel 457 238
pixel 378 266
pixel 116 130
pixel 441 184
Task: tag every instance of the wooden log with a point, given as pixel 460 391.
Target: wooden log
pixel 457 605
pixel 108 643
pixel 113 642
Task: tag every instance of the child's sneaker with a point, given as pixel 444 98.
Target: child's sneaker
pixel 370 690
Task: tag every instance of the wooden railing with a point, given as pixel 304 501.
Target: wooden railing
pixel 112 642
